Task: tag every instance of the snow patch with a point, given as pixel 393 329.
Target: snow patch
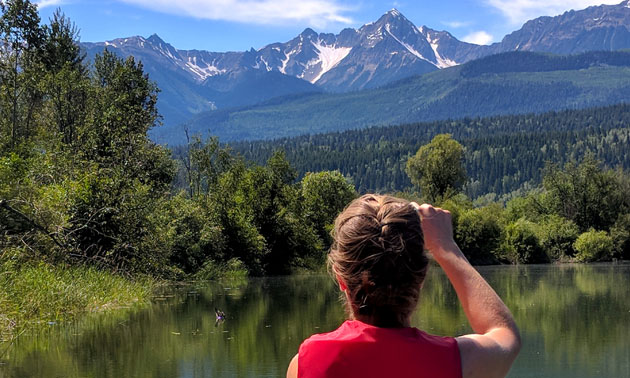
pixel 407 46
pixel 328 56
pixel 262 59
pixel 202 71
pixel 286 61
pixel 441 61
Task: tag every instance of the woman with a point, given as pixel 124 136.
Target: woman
pixel 379 262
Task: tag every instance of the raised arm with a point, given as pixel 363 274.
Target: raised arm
pixel 493 348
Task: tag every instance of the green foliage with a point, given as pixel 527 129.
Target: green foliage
pixel 22 38
pixel 620 234
pixel 530 207
pixel 593 246
pixel 503 155
pixel 437 168
pixel 584 193
pixel 38 292
pixel 325 194
pixel 456 205
pixel 521 244
pixel 232 269
pixel 557 236
pixel 478 234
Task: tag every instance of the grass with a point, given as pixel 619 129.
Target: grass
pixel 38 293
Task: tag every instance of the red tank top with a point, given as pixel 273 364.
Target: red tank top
pixel 357 349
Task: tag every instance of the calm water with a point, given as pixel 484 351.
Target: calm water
pixel 575 322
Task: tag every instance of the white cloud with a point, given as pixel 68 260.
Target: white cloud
pixel 520 11
pixel 456 24
pixel 313 12
pixel 47 3
pixel 478 38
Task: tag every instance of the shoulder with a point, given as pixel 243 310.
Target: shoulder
pixel 292 371
pixel 438 341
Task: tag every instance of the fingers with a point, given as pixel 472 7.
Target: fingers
pixel 428 211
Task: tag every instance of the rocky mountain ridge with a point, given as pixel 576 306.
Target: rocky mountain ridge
pixel 374 55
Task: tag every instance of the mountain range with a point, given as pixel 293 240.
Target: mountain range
pixel 516 82
pixel 375 55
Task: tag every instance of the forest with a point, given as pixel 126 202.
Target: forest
pixel 504 155
pixel 92 208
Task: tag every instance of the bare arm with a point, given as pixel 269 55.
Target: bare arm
pixel 292 371
pixel 491 351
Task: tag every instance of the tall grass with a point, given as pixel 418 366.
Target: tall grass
pixel 37 293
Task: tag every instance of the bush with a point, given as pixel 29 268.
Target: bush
pixel 557 236
pixel 324 195
pixel 593 246
pixel 212 270
pixel 620 234
pixel 530 207
pixel 521 244
pixel 478 234
pixel 457 205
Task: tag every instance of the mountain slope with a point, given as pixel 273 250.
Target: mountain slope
pixel 540 83
pixel 376 54
pixel 503 153
pixel 604 27
pixel 190 81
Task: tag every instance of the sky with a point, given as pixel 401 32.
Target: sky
pixel 237 25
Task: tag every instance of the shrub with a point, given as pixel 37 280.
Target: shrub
pixel 478 234
pixel 593 246
pixel 620 234
pixel 530 207
pixel 557 236
pixel 231 269
pixel 521 244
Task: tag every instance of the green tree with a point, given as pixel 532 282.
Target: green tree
pixel 67 78
pixel 620 234
pixel 521 244
pixel 593 246
pixel 585 193
pixel 478 234
pixel 438 168
pixel 324 195
pixel 557 236
pixel 21 40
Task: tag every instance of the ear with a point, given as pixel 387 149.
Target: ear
pixel 342 285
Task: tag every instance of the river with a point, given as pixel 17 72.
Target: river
pixel 574 319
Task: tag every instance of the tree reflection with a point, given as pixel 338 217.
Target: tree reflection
pixel 575 321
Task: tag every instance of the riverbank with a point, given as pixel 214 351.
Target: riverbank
pixel 39 293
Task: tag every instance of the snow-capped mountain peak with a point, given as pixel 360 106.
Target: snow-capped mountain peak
pixel 379 52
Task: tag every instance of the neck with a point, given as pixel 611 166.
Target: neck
pixel 383 323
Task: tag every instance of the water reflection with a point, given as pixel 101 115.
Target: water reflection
pixel 575 321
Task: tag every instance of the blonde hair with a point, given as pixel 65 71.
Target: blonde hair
pixel 378 253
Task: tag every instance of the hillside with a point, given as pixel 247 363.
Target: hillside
pixel 537 83
pixel 503 154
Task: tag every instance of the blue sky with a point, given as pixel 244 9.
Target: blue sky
pixel 235 25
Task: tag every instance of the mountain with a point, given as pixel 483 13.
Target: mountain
pixel 509 83
pixel 190 81
pixel 376 54
pixel 604 27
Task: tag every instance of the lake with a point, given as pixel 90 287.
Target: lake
pixel 574 319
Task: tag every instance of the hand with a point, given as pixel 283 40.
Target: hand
pixel 437 227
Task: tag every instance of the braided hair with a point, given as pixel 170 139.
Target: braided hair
pixel 378 253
